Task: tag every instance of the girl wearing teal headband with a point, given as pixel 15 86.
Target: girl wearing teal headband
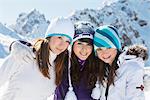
pixel 35 75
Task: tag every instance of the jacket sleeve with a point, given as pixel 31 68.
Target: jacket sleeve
pixel 8 67
pixel 134 85
pixel 19 55
pixel 146 80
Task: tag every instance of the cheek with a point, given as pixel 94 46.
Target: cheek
pixel 75 48
pixel 66 45
pixel 99 55
pixel 114 55
pixel 52 40
pixel 114 52
pixel 90 50
pixel 56 41
pixel 51 45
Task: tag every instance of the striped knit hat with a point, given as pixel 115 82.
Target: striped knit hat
pixel 107 36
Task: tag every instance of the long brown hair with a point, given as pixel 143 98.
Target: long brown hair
pixel 107 72
pixel 89 67
pixel 42 49
pixel 59 65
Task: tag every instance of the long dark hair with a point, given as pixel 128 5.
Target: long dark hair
pixel 42 49
pixel 107 72
pixel 89 68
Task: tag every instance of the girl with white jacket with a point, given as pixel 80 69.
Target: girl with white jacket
pixel 34 76
pixel 120 75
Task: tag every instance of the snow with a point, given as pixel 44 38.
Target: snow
pixel 7 36
pixel 31 25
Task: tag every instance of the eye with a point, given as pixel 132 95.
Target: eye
pixel 68 42
pixel 99 49
pixel 79 43
pixel 60 37
pixel 89 44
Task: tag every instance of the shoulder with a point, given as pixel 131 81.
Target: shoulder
pixel 20 49
pixel 17 47
pixel 134 66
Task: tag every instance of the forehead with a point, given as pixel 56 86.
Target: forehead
pixel 104 48
pixel 63 37
pixel 78 41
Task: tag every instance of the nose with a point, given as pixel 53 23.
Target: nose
pixel 84 48
pixel 105 54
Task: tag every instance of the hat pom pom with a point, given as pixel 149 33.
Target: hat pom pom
pixel 96 92
pixel 70 94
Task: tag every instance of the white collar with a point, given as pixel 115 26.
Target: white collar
pixel 52 57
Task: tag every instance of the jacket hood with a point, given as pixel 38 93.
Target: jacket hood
pixel 138 51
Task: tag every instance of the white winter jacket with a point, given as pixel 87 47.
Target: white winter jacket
pixel 26 82
pixel 128 83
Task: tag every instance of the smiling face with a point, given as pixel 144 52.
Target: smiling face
pixel 106 55
pixel 82 49
pixel 58 44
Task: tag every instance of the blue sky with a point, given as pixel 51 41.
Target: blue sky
pixel 10 9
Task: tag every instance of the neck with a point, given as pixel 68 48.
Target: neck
pixel 81 62
pixel 52 57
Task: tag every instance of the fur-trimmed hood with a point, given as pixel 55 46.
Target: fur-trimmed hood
pixel 138 51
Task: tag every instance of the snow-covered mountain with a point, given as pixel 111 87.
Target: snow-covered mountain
pixel 131 17
pixel 27 27
pixel 31 25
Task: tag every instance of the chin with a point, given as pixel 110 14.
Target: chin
pixel 107 62
pixel 83 58
pixel 57 53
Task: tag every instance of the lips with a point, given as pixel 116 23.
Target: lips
pixel 83 54
pixel 107 57
pixel 59 49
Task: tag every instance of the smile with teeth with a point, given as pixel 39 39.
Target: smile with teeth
pixel 83 54
pixel 107 57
